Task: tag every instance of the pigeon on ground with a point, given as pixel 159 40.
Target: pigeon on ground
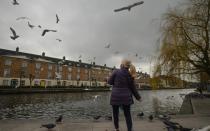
pixel 15 36
pixel 108 118
pixel 46 30
pixel 175 126
pixel 48 126
pixel 170 128
pixel 151 117
pixel 206 128
pixel 57 19
pixel 39 26
pixel 164 117
pixel 96 117
pixel 59 119
pixel 140 115
pixel 30 25
pixel 129 7
pixel 15 2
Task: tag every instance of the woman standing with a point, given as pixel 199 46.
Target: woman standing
pixel 122 92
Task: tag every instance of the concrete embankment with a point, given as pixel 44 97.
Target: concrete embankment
pixel 50 90
pixel 188 121
pixel 197 104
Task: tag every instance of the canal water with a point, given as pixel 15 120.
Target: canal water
pixel 83 106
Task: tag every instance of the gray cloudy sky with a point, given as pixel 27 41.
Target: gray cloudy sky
pixel 86 27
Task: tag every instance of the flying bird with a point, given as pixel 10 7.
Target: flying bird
pixel 59 119
pixel 136 55
pixel 23 18
pixel 57 19
pixel 47 30
pixel 59 40
pixel 39 26
pixel 48 126
pixel 30 25
pixel 15 36
pixel 129 7
pixel 107 46
pixel 15 2
pixel 116 52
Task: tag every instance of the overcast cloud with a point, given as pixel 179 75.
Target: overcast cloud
pixel 86 27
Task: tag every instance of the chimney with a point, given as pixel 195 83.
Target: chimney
pixel 64 58
pixel 94 63
pixel 80 61
pixel 104 65
pixel 17 49
pixel 43 54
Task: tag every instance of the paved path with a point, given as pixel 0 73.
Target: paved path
pixel 190 121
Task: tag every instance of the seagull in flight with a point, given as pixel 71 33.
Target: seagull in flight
pixel 57 19
pixel 15 2
pixel 30 25
pixel 129 7
pixel 107 46
pixel 39 26
pixel 59 40
pixel 47 30
pixel 23 18
pixel 15 36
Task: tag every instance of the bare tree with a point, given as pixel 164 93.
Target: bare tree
pixel 185 39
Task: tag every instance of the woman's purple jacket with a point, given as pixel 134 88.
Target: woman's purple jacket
pixel 123 88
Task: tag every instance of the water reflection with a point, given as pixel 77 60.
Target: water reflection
pixel 80 106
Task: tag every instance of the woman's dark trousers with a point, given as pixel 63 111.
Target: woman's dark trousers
pixel 127 114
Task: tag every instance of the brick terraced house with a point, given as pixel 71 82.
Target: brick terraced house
pixel 25 69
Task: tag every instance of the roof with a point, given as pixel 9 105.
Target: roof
pixel 23 55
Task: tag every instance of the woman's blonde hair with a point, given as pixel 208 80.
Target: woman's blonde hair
pixel 132 71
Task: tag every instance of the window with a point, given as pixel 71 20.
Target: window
pixel 49 67
pixel 48 83
pixel 22 83
pixel 86 71
pixel 38 65
pixel 78 77
pixel 37 74
pixel 6 82
pixel 8 62
pixel 78 65
pixel 6 72
pixel 49 75
pixel 69 76
pixel 70 69
pixel 24 64
pixel 78 70
pixel 60 68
